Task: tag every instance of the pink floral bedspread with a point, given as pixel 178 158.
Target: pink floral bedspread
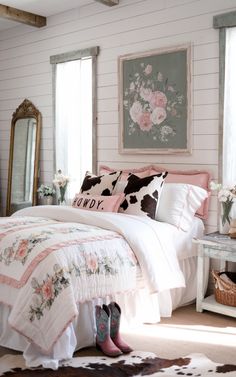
pixel 53 266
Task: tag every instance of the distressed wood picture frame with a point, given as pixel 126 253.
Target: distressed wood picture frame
pixel 155 101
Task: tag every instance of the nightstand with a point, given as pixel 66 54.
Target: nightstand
pixel 223 248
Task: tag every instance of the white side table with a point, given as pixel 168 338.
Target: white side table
pixel 223 248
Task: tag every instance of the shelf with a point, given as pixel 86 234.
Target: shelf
pixel 209 303
pixel 224 251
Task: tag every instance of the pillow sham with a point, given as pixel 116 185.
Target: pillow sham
pixel 142 195
pixel 179 203
pixel 193 177
pixel 99 185
pixel 98 202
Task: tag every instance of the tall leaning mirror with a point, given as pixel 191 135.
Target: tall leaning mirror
pixel 24 157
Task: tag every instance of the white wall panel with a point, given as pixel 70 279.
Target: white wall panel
pixel 205 127
pixel 209 81
pixel 207 96
pixel 133 26
pixel 209 50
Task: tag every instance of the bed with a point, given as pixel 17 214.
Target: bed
pixel 58 262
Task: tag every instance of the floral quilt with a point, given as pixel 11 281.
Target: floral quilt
pixel 54 265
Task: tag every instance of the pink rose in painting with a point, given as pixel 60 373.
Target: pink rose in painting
pixel 145 93
pixel 92 263
pixel 158 115
pixel 158 99
pixel 22 250
pixel 145 122
pixel 148 69
pixel 47 290
pixel 135 111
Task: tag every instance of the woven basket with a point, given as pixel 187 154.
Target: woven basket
pixel 225 292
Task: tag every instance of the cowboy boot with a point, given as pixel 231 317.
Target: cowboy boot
pixel 103 340
pixel 115 326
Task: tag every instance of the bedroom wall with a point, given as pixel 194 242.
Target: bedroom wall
pixel 133 26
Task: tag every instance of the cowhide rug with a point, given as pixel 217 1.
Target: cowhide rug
pixel 135 364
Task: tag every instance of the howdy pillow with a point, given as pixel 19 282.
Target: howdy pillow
pixel 98 202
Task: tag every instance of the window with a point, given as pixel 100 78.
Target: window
pixel 226 23
pixel 229 121
pixel 74 108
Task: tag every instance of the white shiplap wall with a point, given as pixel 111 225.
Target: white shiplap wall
pixel 133 26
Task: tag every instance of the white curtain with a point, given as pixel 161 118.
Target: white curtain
pixel 229 140
pixel 73 118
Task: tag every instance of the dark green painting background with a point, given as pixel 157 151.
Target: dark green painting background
pixel 173 67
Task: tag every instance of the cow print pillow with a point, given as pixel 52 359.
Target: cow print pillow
pixel 142 195
pixel 99 185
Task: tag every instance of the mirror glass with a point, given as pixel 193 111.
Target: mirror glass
pixel 24 158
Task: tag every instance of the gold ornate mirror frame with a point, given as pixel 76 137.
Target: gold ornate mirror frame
pixel 28 112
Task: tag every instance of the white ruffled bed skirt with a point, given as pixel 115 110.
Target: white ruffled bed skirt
pixel 137 307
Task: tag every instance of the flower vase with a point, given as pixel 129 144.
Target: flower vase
pixel 61 202
pixel 46 200
pixel 225 217
pixel 61 199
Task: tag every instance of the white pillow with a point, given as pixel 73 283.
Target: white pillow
pixel 179 203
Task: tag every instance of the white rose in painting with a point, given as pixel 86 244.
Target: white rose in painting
pixel 160 76
pixel 145 93
pixel 148 69
pixel 136 111
pixel 170 88
pixel 132 86
pixel 158 115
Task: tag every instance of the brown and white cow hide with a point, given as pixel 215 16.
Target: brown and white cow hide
pixel 133 365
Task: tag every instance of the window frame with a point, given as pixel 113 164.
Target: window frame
pixel 222 22
pixel 91 52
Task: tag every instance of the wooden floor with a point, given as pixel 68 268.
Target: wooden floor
pixel 189 332
pixel 185 332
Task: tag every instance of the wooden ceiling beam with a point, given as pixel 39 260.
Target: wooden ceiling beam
pixel 14 14
pixel 110 3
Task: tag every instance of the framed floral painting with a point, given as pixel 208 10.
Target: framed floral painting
pixel 155 101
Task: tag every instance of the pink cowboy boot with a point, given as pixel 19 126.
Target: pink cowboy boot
pixel 115 325
pixel 103 340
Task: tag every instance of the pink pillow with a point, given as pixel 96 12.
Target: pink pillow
pixel 141 172
pixel 193 177
pixel 99 203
